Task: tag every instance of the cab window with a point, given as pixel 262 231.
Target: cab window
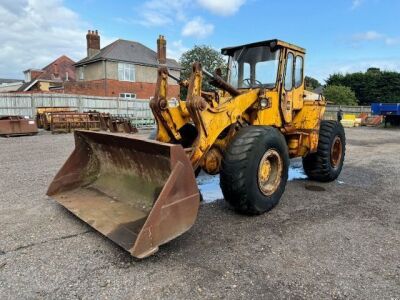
pixel 289 72
pixel 298 77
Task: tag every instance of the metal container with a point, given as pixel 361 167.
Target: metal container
pixel 17 125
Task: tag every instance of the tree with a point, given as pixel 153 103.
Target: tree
pixel 340 95
pixel 311 83
pixel 372 86
pixel 209 58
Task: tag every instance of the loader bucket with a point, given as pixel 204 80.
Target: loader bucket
pixel 138 193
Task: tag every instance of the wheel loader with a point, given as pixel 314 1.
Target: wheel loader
pixel 142 193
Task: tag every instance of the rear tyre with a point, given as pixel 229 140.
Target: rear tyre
pixel 326 164
pixel 255 169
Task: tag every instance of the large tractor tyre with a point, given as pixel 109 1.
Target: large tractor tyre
pixel 326 164
pixel 255 169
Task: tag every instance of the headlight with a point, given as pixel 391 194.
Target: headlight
pixel 264 103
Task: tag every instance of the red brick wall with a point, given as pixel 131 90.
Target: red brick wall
pixel 112 88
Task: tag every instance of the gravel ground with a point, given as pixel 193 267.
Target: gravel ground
pixel 342 242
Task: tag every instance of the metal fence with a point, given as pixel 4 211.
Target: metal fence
pixel 332 110
pixel 26 104
pixel 138 110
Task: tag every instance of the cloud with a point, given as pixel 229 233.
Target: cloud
pixel 222 7
pixel 35 32
pixel 175 49
pixel 356 4
pixel 372 35
pixel 326 68
pixel 367 36
pixel 159 13
pixel 197 28
pixel 392 41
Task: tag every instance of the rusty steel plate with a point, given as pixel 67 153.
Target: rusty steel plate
pixel 139 193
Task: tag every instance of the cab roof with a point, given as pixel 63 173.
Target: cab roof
pixel 270 43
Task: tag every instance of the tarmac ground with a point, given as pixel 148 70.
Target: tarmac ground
pixel 339 240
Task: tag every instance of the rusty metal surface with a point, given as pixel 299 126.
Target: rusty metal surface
pixel 138 193
pixel 69 121
pixel 43 115
pixel 17 125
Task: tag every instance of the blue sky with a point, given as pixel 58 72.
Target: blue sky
pixel 340 36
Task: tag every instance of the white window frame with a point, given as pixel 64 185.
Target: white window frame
pixel 81 74
pixel 130 96
pixel 126 72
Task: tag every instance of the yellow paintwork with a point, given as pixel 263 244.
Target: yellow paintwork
pixel 293 112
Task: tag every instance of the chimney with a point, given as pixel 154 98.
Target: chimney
pixel 161 50
pixel 93 43
pixel 56 73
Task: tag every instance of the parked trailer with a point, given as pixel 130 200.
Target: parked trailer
pixel 17 125
pixel 390 112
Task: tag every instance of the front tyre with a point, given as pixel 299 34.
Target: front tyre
pixel 255 169
pixel 326 164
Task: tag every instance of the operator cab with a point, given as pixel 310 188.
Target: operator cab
pixel 256 65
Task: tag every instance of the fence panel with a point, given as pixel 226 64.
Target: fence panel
pixel 26 105
pixel 136 109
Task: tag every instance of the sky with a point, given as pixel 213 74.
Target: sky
pixel 340 36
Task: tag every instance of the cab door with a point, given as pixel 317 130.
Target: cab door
pixel 298 89
pixel 288 88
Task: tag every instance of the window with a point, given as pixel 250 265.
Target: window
pixel 126 72
pixel 81 74
pixel 254 67
pixel 289 72
pixel 298 72
pixel 28 76
pixel 127 96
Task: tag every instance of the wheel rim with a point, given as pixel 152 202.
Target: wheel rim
pixel 336 152
pixel 270 172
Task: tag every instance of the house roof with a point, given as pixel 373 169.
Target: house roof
pixel 64 65
pixel 6 80
pixel 128 51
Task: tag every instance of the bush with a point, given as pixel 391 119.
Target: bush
pixel 340 95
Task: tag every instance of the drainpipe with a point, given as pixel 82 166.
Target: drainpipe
pixel 105 77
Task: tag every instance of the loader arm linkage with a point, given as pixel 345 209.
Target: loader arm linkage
pixel 209 117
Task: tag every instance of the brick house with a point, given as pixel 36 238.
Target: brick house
pixel 125 69
pixel 51 78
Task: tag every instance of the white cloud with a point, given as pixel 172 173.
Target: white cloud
pixel 222 7
pixel 372 35
pixel 35 32
pixel 356 4
pixel 368 36
pixel 326 68
pixel 160 13
pixel 197 28
pixel 175 49
pixel 392 41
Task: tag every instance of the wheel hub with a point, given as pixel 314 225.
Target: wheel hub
pixel 336 152
pixel 270 172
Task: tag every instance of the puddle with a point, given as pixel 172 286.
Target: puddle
pixel 211 191
pixel 296 172
pixel 315 188
pixel 209 187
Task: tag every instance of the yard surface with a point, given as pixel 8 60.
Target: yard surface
pixel 341 242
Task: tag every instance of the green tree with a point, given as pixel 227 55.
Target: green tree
pixel 209 58
pixel 311 83
pixel 372 86
pixel 341 95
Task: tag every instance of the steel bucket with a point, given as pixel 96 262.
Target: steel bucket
pixel 138 193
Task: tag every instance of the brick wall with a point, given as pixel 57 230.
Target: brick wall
pixel 112 88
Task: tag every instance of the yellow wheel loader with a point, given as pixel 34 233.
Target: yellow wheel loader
pixel 141 193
